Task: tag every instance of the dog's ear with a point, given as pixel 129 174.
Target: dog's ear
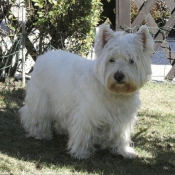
pixel 104 33
pixel 145 38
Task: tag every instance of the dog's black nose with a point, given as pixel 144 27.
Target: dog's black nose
pixel 119 76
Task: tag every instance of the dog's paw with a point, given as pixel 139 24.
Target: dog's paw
pixel 40 136
pixel 83 154
pixel 79 156
pixel 129 152
pixel 43 138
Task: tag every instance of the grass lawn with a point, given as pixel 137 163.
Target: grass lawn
pixel 154 140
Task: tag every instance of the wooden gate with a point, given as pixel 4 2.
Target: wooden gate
pixel 123 21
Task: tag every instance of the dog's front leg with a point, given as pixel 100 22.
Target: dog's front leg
pixel 80 141
pixel 122 144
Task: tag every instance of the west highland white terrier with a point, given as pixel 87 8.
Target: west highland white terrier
pixel 93 101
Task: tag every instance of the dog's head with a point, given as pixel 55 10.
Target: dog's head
pixel 123 61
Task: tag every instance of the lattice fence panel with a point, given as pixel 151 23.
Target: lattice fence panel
pixel 160 33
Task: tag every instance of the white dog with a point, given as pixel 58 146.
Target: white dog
pixel 93 101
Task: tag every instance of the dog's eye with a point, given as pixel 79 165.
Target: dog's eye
pixel 131 61
pixel 112 60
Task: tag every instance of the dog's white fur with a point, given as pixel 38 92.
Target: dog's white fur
pixel 83 98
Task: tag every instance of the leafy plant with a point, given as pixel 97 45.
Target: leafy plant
pixel 68 23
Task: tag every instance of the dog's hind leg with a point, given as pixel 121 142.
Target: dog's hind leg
pixel 35 114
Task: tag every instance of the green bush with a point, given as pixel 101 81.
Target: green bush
pixel 69 23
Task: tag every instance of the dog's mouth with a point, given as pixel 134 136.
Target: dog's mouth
pixel 122 87
pixel 120 82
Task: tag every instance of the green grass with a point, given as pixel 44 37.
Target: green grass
pixel 154 141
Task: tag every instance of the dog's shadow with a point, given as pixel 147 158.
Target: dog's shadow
pixel 53 152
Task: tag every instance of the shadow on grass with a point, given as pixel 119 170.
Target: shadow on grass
pixel 48 153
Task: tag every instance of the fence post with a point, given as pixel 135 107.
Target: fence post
pixel 23 46
pixel 123 15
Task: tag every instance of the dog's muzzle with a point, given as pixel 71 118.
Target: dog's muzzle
pixel 118 83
